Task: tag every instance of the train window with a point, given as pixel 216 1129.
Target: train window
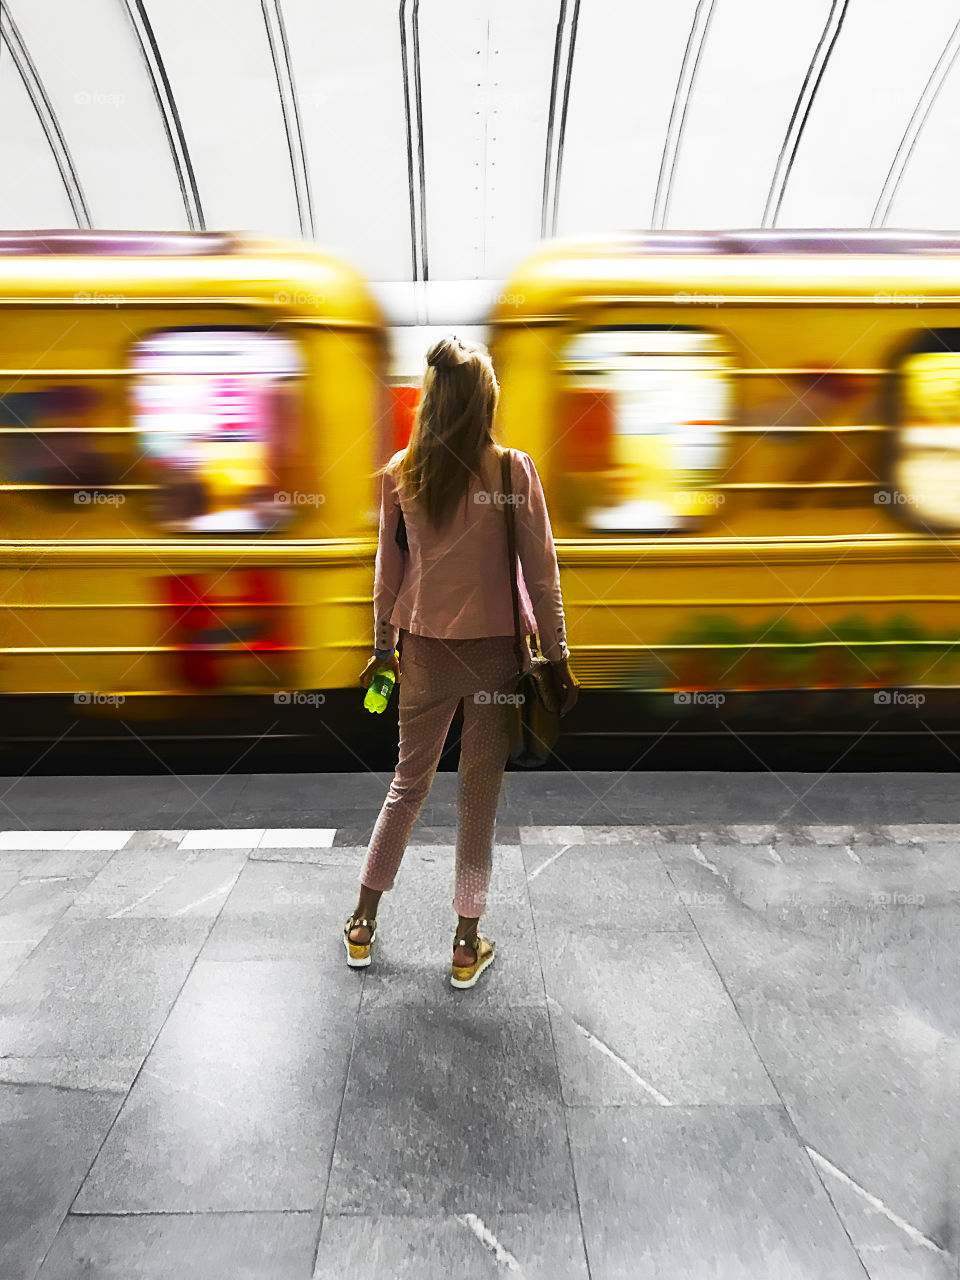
pixel 216 411
pixel 926 470
pixel 642 427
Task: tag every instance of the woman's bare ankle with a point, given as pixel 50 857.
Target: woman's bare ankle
pixel 367 904
pixel 466 930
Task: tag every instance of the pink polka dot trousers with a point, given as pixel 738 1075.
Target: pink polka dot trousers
pixel 436 675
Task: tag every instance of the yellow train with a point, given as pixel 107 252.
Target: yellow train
pixel 748 442
pixel 188 428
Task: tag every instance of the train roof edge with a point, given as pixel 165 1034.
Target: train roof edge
pixel 218 258
pixel 561 270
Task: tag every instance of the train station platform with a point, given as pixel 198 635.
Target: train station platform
pixel 720 1038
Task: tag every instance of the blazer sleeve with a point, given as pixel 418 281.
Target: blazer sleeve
pixel 388 575
pixel 538 557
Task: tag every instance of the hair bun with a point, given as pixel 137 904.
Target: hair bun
pixel 446 354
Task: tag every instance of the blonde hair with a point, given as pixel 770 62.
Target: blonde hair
pixel 452 427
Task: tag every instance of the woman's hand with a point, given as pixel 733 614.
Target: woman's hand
pixel 567 684
pixel 375 664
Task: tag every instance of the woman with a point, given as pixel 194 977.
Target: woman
pixel 450 594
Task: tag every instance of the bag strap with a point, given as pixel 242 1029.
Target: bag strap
pixel 506 490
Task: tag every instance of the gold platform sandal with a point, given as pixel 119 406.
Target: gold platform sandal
pixel 465 975
pixel 359 953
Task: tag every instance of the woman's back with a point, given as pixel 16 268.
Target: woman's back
pixel 454 581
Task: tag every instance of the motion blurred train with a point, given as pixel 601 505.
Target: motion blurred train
pixel 749 443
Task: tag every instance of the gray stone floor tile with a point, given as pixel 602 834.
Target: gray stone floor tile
pixel 775 880
pixel 416 923
pixel 286 911
pixel 869 1081
pixel 97 1075
pixel 812 879
pixel 640 1016
pixel 48 1139
pixel 155 840
pixel 424 834
pixel 330 856
pixel 920 832
pixel 236 1107
pixel 602 888
pixel 909 956
pixel 643 840
pixel 12 956
pixel 29 911
pixel 208 1246
pixel 536 1246
pixel 354 834
pixel 39 864
pixel 453 1113
pixel 97 988
pixel 709 1193
pixel 7 880
pixel 889 928
pixel 640 837
pixel 161 883
pixel 888 1251
pixel 433 814
pixel 555 836
pixel 932 869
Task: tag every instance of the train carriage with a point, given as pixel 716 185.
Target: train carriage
pixel 189 424
pixel 750 444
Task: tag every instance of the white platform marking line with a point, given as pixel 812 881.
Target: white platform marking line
pixel 490 1241
pixel 297 837
pixel 552 858
pixel 222 838
pixel 100 841
pixel 917 1236
pixel 32 841
pixel 659 1097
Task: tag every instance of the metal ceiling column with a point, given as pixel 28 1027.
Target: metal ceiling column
pixel 179 152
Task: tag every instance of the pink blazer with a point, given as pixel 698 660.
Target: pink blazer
pixel 456 584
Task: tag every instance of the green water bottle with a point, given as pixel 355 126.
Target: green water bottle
pixel 381 687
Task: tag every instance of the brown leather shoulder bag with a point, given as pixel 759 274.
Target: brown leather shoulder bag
pixel 535 715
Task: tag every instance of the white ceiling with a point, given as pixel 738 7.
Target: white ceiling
pixel 429 140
